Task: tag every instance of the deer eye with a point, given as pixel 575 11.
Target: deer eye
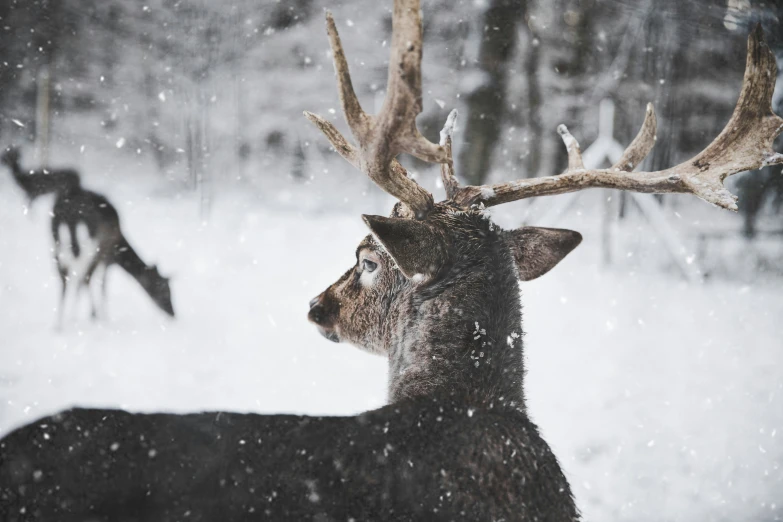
pixel 369 266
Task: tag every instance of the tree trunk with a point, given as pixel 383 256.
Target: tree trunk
pixel 487 103
pixel 533 121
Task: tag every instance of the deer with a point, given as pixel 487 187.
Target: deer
pixel 435 289
pixel 88 240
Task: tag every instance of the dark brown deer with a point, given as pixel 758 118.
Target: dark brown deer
pixel 87 240
pixel 435 288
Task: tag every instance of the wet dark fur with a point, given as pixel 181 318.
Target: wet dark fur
pixel 434 345
pixel 454 444
pixel 421 459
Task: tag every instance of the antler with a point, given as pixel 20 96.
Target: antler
pixel 393 130
pixel 744 144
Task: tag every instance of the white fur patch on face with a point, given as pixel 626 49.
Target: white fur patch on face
pixel 367 280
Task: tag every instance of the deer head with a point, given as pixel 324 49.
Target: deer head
pixel 434 286
pixel 439 297
pixel 157 287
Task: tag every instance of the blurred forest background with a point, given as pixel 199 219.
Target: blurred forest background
pixel 209 95
pixel 653 351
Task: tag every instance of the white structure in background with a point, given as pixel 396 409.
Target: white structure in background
pixel 606 150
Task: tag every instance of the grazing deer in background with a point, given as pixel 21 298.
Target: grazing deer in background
pixel 87 240
pixel 434 288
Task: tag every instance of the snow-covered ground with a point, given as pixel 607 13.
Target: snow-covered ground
pixel 663 400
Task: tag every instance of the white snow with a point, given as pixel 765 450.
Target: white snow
pixel 448 128
pixel 773 158
pixel 487 192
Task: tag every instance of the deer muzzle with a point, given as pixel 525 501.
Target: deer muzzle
pixel 320 314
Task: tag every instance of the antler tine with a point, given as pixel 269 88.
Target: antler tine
pixel 641 145
pixel 744 144
pixel 572 146
pixel 352 109
pixel 338 141
pixel 450 182
pixel 381 137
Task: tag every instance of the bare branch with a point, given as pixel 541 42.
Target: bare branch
pixel 744 144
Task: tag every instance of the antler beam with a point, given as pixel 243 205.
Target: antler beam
pixel 393 130
pixel 744 144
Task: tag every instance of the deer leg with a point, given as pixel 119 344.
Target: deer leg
pixel 89 283
pixel 91 287
pixel 85 253
pixel 75 295
pixel 69 300
pixel 104 306
pixel 96 286
pixel 64 281
pixel 64 257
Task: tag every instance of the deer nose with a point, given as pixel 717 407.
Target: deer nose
pixel 316 314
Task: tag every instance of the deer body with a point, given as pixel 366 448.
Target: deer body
pixel 88 240
pixel 418 459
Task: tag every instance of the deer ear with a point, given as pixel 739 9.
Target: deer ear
pixel 537 250
pixel 414 245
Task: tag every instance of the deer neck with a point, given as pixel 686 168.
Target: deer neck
pixel 16 170
pixel 129 260
pixel 461 336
